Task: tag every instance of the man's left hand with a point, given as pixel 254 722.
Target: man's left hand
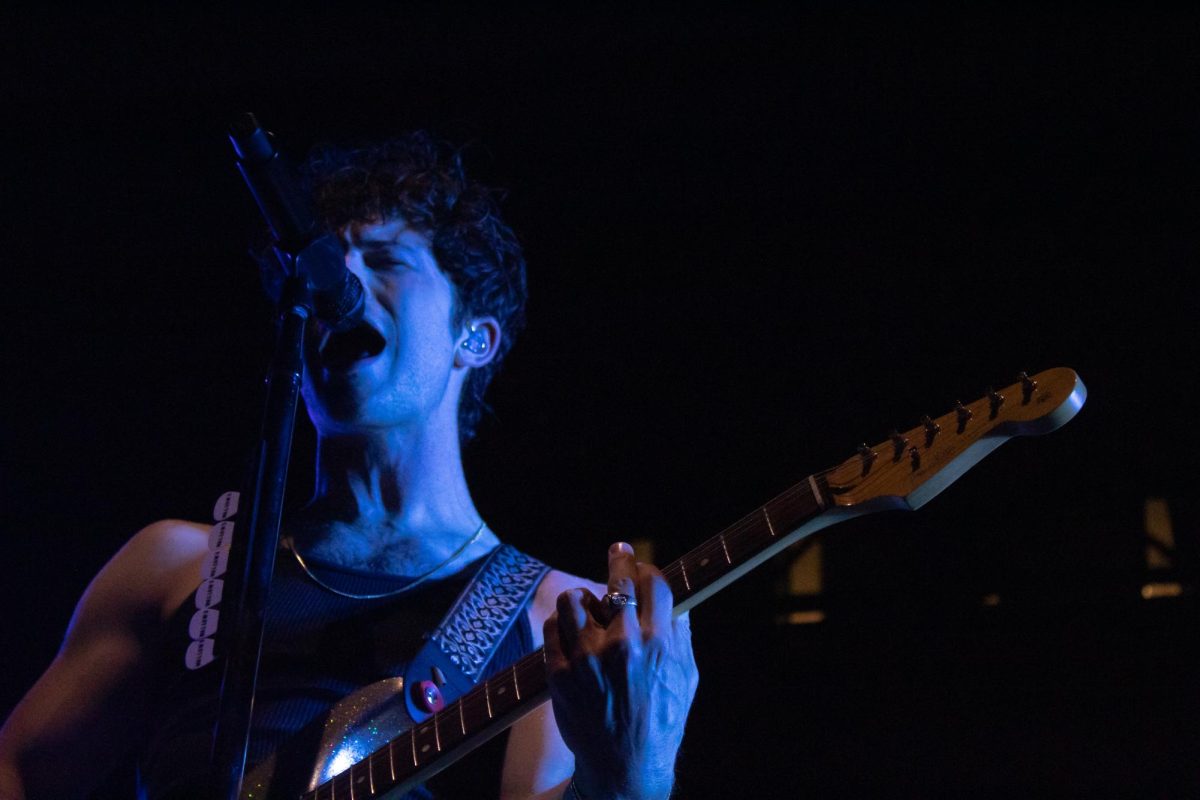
pixel 622 680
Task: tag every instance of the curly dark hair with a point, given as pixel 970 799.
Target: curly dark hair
pixel 421 178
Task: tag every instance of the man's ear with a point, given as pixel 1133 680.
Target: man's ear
pixel 477 342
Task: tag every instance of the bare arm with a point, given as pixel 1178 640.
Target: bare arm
pixel 537 763
pixel 87 709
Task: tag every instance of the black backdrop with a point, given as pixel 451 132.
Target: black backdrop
pixel 756 238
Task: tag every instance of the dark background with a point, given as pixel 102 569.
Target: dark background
pixel 755 238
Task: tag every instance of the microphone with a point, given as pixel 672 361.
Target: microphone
pixel 300 245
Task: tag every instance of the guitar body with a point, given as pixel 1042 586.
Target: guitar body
pixel 356 726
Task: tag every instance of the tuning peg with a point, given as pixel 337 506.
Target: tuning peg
pixel 868 457
pixel 995 400
pixel 931 430
pixel 898 443
pixel 915 457
pixel 964 415
pixel 1028 384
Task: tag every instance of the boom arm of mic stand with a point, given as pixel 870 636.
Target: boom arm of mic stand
pixel 258 543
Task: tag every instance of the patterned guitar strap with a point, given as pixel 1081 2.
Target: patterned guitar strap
pixel 459 651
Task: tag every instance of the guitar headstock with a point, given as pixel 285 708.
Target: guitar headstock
pixel 912 466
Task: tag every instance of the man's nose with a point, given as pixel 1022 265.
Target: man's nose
pixel 357 266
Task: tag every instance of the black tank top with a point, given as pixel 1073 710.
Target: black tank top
pixel 318 647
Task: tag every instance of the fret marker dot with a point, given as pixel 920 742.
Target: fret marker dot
pixel 704 562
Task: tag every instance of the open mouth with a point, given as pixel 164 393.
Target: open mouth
pixel 344 349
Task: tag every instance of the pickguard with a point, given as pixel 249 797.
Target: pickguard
pixel 359 724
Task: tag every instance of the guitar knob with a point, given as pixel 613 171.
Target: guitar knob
pixel 429 696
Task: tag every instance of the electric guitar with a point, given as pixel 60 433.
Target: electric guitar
pixel 377 753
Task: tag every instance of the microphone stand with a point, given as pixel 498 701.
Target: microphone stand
pixel 258 542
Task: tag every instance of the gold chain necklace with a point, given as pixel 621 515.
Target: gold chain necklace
pixel 291 545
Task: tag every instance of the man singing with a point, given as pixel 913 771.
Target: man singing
pixel 380 554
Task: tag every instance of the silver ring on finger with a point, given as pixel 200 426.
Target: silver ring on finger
pixel 619 600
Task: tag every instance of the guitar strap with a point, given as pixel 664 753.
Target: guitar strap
pixel 457 654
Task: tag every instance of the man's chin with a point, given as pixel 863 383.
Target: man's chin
pixel 337 406
pixel 341 387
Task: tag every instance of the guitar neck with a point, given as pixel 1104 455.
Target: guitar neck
pixel 755 538
pixel 496 703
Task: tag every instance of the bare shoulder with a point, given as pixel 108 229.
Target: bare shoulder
pixel 171 533
pixel 546 597
pixel 556 582
pixel 86 710
pixel 166 544
pixel 150 575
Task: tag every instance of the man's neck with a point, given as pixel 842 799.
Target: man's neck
pixel 390 501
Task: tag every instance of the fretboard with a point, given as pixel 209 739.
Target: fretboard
pixel 492 706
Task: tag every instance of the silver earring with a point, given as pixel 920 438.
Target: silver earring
pixel 476 343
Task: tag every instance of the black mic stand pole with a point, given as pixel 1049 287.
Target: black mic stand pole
pixel 261 509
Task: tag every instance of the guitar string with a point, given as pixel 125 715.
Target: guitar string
pixel 477 698
pixel 737 530
pixel 734 532
pixel 474 704
pixel 788 499
pixel 733 535
pixel 530 666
